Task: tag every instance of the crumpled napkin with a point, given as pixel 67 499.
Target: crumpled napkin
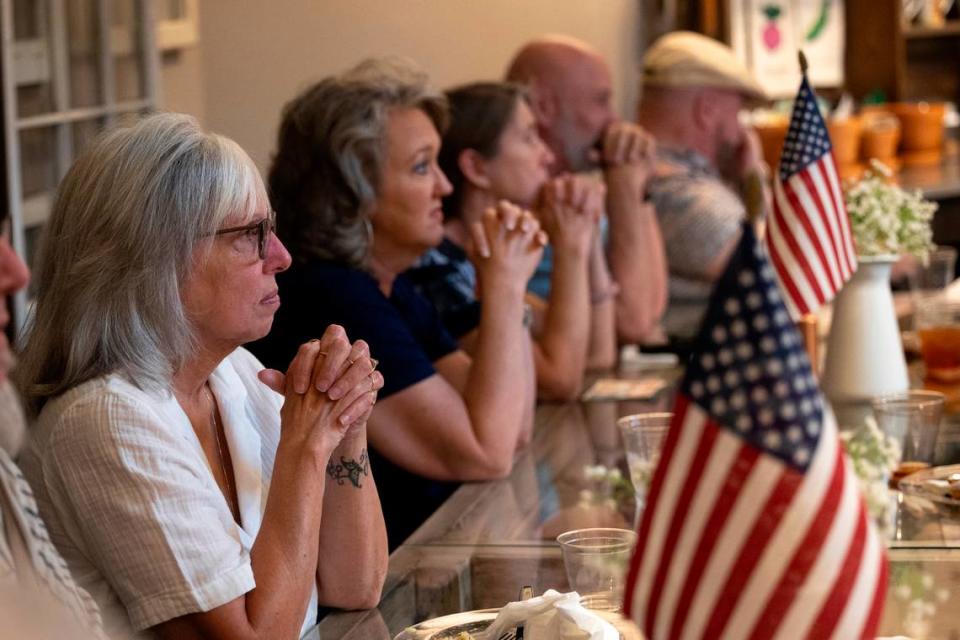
pixel 552 616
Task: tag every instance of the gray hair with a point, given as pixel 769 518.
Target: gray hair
pixel 127 224
pixel 330 155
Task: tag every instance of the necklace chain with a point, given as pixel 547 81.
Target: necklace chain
pixel 214 424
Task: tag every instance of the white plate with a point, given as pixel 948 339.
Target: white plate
pixel 925 485
pixel 447 627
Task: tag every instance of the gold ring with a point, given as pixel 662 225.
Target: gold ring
pixel 374 362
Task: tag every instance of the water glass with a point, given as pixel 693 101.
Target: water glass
pixel 596 563
pixel 939 270
pixel 643 437
pixel 912 418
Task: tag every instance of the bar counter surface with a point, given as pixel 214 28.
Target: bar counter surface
pixel 491 538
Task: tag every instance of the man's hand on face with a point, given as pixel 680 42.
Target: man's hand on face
pixel 743 157
pixel 628 157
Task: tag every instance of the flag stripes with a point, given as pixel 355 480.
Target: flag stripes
pixel 808 237
pixel 717 517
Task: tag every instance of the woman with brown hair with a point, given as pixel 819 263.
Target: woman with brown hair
pixel 358 192
pixel 491 152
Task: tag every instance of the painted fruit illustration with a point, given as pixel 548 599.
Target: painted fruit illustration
pixel 771 30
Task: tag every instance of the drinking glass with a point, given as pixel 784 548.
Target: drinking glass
pixel 939 271
pixel 937 320
pixel 912 418
pixel 596 563
pixel 643 437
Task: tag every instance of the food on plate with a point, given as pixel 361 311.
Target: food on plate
pixel 904 469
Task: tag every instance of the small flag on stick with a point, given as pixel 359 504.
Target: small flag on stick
pixel 808 232
pixel 754 525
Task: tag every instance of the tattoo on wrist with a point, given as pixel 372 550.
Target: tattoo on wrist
pixel 350 470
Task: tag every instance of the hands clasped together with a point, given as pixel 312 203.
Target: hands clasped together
pixel 569 209
pixel 508 243
pixel 628 157
pixel 330 388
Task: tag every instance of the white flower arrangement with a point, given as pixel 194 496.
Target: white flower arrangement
pixel 873 455
pixel 886 219
pixel 608 487
pixel 918 591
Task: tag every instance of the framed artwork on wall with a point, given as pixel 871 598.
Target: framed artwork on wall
pixel 766 35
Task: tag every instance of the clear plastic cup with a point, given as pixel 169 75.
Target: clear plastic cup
pixel 912 418
pixel 596 563
pixel 643 437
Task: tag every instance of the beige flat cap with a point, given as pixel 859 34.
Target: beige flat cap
pixel 688 59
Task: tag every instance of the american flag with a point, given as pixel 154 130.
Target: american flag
pixel 754 525
pixel 808 233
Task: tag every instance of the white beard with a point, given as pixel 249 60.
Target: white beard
pixel 13 425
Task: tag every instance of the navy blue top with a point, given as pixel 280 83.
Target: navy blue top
pixel 447 278
pixel 405 335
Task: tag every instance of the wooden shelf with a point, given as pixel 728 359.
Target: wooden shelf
pixel 948 29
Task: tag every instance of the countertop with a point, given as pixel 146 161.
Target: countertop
pixel 491 538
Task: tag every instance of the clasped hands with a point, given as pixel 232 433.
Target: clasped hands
pixel 330 381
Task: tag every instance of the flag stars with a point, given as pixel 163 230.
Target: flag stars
pixel 765 417
pixel 768 344
pixel 738 329
pixel 788 411
pixel 813 427
pixel 772 439
pixel 738 400
pixel 745 376
pixel 775 367
pixel 731 378
pixel 718 406
pixel 801 456
pixel 713 384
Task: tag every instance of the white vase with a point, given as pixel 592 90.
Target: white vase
pixel 864 353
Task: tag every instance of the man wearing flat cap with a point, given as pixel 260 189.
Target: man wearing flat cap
pixel 693 90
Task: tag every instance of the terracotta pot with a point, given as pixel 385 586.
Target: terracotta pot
pixel 845 138
pixel 881 135
pixel 772 135
pixel 921 123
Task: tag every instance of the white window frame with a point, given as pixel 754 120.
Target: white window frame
pixel 27 62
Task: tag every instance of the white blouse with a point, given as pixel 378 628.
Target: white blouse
pixel 131 502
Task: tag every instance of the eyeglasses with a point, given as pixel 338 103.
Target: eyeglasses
pixel 263 228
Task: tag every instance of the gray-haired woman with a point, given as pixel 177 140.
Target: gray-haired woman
pixel 183 483
pixel 357 188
